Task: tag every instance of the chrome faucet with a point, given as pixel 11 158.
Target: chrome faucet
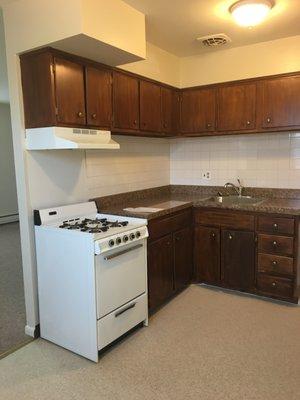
pixel 238 188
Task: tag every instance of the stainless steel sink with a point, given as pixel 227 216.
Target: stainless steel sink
pixel 236 200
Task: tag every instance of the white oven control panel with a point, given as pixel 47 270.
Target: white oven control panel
pixel 120 240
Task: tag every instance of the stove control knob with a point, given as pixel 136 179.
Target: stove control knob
pixel 125 238
pixel 118 240
pixel 132 236
pixel 111 243
pixel 138 234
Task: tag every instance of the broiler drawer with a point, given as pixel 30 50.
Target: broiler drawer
pixel 120 321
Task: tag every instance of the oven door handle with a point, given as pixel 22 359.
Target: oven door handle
pixel 114 255
pixel 118 313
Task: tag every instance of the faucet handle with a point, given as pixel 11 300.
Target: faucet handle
pixel 239 181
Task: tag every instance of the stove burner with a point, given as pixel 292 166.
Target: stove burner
pixel 89 225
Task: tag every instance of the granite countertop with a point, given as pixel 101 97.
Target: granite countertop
pixel 173 199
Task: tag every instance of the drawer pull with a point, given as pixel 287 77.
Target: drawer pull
pixel 274 263
pixel 273 284
pixel 274 243
pixel 118 313
pixel 80 114
pixel 275 226
pixel 213 235
pixel 230 237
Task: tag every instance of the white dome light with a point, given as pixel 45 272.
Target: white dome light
pixel 250 12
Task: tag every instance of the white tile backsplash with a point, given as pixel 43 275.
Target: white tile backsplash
pixel 265 160
pixel 140 163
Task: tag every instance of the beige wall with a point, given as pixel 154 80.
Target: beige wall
pixel 267 58
pixel 8 197
pixel 159 65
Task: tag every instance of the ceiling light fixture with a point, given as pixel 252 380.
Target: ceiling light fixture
pixel 250 12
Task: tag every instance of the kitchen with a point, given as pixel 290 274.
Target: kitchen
pixel 185 127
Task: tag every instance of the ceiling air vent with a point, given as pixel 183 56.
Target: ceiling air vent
pixel 214 40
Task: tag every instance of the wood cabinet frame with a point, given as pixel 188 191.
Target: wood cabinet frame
pixel 40 110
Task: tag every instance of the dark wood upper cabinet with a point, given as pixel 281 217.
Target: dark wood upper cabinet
pixel 160 271
pixel 281 102
pixel 150 107
pixel 125 101
pixel 198 110
pixel 238 259
pixel 69 92
pixel 38 90
pixel 169 98
pixel 183 258
pixel 207 254
pixel 98 97
pixel 236 107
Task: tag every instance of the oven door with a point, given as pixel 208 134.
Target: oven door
pixel 121 276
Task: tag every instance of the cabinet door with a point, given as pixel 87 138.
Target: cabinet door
pixel 125 101
pixel 281 102
pixel 70 94
pixel 236 107
pixel 183 258
pixel 198 110
pixel 167 101
pixel 238 259
pixel 150 107
pixel 160 270
pixel 98 97
pixel 207 254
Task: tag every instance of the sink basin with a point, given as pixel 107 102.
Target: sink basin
pixel 236 200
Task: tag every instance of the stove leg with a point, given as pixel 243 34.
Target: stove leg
pixel 146 322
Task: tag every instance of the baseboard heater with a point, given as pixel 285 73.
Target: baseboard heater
pixel 6 219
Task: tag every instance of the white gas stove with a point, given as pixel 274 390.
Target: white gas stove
pixel 92 276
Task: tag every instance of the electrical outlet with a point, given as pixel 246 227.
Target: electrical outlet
pixel 206 175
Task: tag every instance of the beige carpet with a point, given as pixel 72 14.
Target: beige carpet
pixel 12 303
pixel 205 344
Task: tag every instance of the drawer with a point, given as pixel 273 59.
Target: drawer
pixel 120 321
pixel 270 263
pixel 275 244
pixel 274 286
pixel 225 219
pixel 161 227
pixel 276 225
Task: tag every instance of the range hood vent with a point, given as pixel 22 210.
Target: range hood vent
pixel 58 138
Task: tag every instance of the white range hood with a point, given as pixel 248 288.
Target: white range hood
pixel 56 138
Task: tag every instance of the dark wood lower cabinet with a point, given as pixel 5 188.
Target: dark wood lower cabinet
pixel 207 254
pixel 183 257
pixel 238 259
pixel 170 256
pixel 160 270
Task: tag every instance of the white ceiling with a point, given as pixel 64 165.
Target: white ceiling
pixel 174 25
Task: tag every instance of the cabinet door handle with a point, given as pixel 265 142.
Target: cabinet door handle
pixel 208 125
pixel 248 123
pixel 80 114
pixel 94 116
pixel 213 235
pixel 230 237
pixel 268 120
pixel 135 122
